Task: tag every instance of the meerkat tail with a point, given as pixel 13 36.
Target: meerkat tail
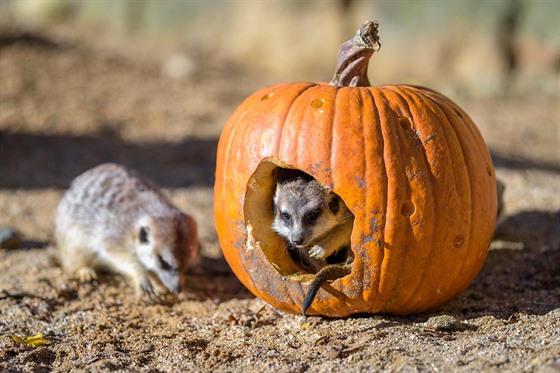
pixel 328 273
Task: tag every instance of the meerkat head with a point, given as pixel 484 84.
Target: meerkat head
pixel 156 247
pixel 304 210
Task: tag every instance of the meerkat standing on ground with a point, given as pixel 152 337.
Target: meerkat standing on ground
pixel 112 217
pixel 316 225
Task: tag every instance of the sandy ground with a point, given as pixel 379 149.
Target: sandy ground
pixel 69 102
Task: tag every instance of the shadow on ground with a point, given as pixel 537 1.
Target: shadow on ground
pixel 520 163
pixel 522 272
pixel 41 161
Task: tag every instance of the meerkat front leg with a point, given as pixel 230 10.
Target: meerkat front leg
pixel 329 245
pixel 76 258
pixel 146 288
pixel 145 285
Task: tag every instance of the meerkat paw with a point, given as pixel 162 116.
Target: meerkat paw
pixel 86 274
pixel 317 252
pixel 148 290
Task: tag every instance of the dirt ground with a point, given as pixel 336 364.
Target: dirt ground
pixel 69 102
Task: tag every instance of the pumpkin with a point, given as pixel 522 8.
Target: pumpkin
pixel 408 162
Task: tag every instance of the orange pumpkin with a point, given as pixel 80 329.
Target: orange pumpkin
pixel 407 161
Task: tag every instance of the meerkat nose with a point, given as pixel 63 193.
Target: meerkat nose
pixel 297 240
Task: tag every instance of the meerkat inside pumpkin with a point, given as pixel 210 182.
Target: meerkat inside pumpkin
pixel 304 222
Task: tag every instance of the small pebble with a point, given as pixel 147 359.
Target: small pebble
pixel 9 239
pixel 442 322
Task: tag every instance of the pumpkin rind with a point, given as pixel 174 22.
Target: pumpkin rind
pixel 407 161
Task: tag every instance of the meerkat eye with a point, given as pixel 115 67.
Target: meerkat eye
pixel 144 235
pixel 163 264
pixel 286 216
pixel 312 215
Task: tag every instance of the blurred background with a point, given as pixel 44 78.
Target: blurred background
pixel 462 47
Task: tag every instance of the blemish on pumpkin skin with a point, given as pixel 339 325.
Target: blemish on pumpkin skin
pixel 249 235
pixel 238 244
pixel 240 226
pixel 360 181
pixel 373 225
pixel 488 169
pixel 370 237
pixel 414 175
pixel 430 138
pixel 317 171
pixel 366 239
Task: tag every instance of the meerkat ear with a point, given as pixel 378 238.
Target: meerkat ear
pixel 144 235
pixel 275 199
pixel 334 203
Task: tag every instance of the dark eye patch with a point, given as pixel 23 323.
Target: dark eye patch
pixel 312 215
pixel 285 216
pixel 144 235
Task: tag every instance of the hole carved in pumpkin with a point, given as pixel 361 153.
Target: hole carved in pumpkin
pixel 488 169
pixel 407 209
pixel 405 123
pixel 267 96
pixel 284 253
pixel 317 103
pixel 458 241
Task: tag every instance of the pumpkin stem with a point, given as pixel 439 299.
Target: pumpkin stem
pixel 354 55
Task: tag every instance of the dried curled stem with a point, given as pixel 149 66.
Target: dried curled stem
pixel 354 55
